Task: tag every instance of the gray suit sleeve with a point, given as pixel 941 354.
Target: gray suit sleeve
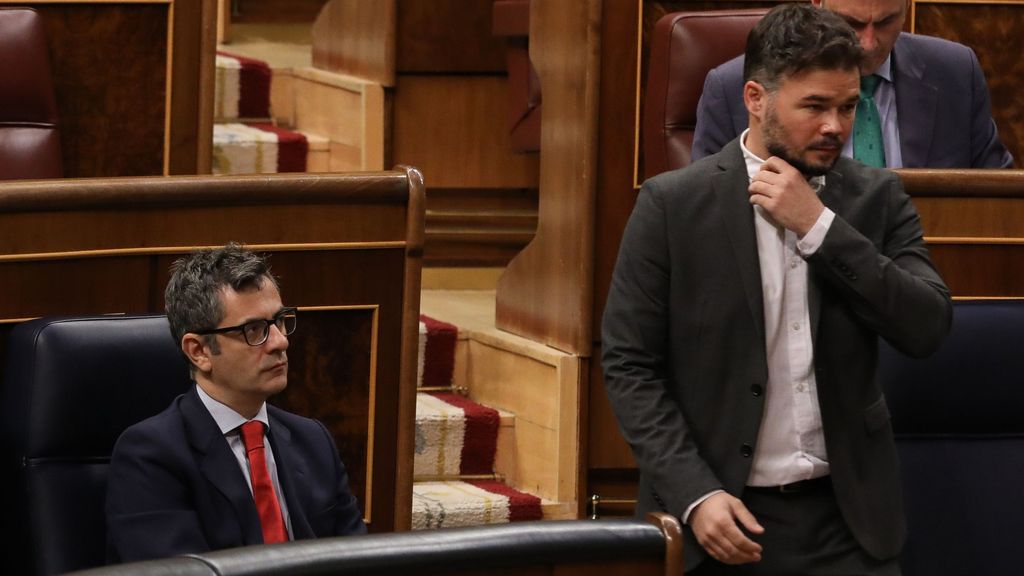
pixel 636 360
pixel 889 282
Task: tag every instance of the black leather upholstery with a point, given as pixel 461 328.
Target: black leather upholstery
pixel 71 386
pixel 959 423
pixel 480 548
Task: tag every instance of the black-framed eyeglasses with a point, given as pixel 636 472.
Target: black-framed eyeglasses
pixel 256 332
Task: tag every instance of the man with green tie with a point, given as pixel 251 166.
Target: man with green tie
pixel 924 101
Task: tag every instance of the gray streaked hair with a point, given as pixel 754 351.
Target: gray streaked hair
pixel 192 298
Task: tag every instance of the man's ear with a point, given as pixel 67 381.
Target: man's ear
pixel 195 349
pixel 755 98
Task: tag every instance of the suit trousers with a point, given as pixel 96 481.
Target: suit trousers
pixel 804 535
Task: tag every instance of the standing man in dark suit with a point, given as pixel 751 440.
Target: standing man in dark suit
pixel 188 480
pixel 740 335
pixel 930 95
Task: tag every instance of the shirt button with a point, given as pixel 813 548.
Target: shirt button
pixel 796 326
pixel 756 390
pixel 794 263
pixel 746 450
pixel 800 387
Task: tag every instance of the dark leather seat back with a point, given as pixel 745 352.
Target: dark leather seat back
pixel 29 139
pixel 608 547
pixel 685 46
pixel 71 386
pixel 959 423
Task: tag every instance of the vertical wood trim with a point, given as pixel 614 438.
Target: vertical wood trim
pixel 406 435
pixel 169 89
pixel 207 81
pixel 546 293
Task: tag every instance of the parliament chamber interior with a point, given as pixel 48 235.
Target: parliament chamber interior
pixel 441 187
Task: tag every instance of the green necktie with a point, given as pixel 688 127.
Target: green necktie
pixel 867 127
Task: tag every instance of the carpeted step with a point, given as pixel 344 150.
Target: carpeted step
pixel 470 503
pixel 242 89
pixel 436 353
pixel 454 436
pixel 257 148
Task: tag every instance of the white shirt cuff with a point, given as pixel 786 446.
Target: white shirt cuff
pixel 811 241
pixel 697 502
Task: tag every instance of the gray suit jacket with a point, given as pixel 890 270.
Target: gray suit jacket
pixel 683 336
pixel 942 106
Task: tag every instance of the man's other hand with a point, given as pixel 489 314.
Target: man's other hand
pixel 716 523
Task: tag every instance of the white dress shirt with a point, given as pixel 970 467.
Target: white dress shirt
pixel 230 423
pixel 790 444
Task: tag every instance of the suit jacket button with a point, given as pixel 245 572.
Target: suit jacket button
pixel 746 450
pixel 756 390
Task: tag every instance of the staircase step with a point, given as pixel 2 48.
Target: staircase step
pixel 454 436
pixel 471 503
pixel 242 89
pixel 258 148
pixel 436 353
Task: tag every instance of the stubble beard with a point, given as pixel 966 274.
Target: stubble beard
pixel 774 134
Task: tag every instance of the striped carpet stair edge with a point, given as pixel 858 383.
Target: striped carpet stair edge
pixel 257 148
pixel 242 89
pixel 456 437
pixel 245 140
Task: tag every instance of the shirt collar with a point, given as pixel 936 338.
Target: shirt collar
pixel 225 417
pixel 885 68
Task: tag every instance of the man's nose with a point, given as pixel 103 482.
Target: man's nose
pixel 276 339
pixel 868 41
pixel 831 123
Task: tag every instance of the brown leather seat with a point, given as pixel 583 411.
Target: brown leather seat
pixel 29 138
pixel 684 47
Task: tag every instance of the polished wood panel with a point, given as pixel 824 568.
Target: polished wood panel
pixel 993 30
pixel 973 222
pixel 355 241
pixel 275 11
pixel 134 85
pixel 448 36
pixel 331 377
pixel 546 293
pixel 357 38
pixel 192 77
pixel 453 129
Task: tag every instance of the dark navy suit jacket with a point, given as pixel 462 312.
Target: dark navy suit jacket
pixel 175 487
pixel 942 107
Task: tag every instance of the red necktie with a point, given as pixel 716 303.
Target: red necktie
pixel 262 488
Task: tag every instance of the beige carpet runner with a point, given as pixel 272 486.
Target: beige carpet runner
pixel 455 438
pixel 245 139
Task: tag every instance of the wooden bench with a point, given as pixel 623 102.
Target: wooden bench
pixel 347 249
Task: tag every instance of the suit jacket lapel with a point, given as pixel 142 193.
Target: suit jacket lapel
pixel 730 188
pixel 916 102
pixel 292 474
pixel 219 465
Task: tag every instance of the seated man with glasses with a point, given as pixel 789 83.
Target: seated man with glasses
pixel 221 468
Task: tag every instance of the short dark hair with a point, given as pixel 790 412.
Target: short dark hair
pixel 795 37
pixel 192 298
